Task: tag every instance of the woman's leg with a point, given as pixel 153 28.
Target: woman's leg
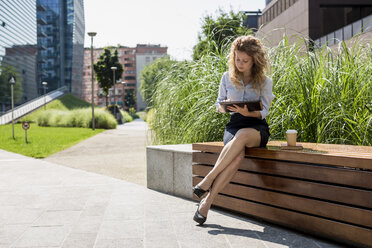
pixel 245 137
pixel 227 173
pixel 221 181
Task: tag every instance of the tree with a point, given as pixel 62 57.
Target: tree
pixel 151 75
pixel 5 91
pixel 130 98
pixel 215 34
pixel 103 71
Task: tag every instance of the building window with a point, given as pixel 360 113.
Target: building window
pixel 147 59
pixel 129 78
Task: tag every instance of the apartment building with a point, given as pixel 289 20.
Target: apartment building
pixel 133 59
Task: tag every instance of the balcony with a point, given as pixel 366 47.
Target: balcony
pixel 42 47
pixel 40 7
pixel 41 21
pixel 41 34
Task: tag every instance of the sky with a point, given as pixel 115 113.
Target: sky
pixel 171 23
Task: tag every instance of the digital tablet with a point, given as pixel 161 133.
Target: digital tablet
pixel 251 105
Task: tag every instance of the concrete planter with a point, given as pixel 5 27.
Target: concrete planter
pixel 169 169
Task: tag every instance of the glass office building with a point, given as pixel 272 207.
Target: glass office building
pixel 41 40
pixel 60 32
pixel 18 49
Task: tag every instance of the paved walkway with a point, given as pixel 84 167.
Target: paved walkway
pixel 118 153
pixel 43 204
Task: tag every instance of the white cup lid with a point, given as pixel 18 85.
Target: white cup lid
pixel 291 131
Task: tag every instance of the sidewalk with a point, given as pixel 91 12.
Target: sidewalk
pixel 43 204
pixel 119 153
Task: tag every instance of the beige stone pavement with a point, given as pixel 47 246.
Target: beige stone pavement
pixel 119 153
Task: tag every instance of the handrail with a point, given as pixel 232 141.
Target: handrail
pixel 30 106
pixel 63 88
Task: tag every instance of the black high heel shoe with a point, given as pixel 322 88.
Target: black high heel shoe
pixel 198 217
pixel 199 192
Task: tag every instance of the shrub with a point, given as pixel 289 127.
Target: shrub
pixel 66 102
pixel 133 113
pixel 126 116
pixel 184 102
pixel 324 94
pixel 150 116
pixel 142 115
pixel 76 118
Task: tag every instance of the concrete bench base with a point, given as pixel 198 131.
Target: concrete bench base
pixel 169 169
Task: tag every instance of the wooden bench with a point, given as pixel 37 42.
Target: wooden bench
pixel 324 190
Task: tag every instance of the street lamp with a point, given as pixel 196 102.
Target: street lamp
pixel 123 83
pixel 114 68
pixel 92 34
pixel 12 82
pixel 45 87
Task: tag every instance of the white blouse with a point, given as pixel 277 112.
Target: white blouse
pixel 228 90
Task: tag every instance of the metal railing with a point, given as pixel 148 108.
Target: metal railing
pixel 346 33
pixel 32 105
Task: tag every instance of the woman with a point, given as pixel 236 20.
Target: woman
pixel 245 81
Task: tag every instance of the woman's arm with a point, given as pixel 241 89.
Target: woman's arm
pixel 222 94
pixel 266 99
pixel 244 111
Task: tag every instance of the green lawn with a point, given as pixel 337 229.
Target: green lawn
pixel 42 141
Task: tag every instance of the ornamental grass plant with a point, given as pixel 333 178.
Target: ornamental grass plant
pixel 76 118
pixel 325 94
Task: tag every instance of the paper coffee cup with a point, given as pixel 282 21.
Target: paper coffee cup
pixel 291 137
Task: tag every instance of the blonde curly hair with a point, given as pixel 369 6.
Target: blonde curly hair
pixel 254 48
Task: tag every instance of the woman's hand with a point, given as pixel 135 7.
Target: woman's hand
pixel 235 108
pixel 244 111
pixel 222 109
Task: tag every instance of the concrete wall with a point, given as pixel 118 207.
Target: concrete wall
pixel 293 22
pixel 169 169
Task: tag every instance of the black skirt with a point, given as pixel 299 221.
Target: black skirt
pixel 238 121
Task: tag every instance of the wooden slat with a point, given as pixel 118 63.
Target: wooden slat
pixel 345 195
pixel 315 207
pixel 314 153
pixel 314 225
pixel 351 177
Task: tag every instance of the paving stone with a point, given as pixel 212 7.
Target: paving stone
pixel 55 218
pixel 79 240
pixel 162 241
pixel 42 236
pixel 119 243
pixel 98 209
pixel 10 233
pixel 121 229
pixel 18 215
pixel 87 224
